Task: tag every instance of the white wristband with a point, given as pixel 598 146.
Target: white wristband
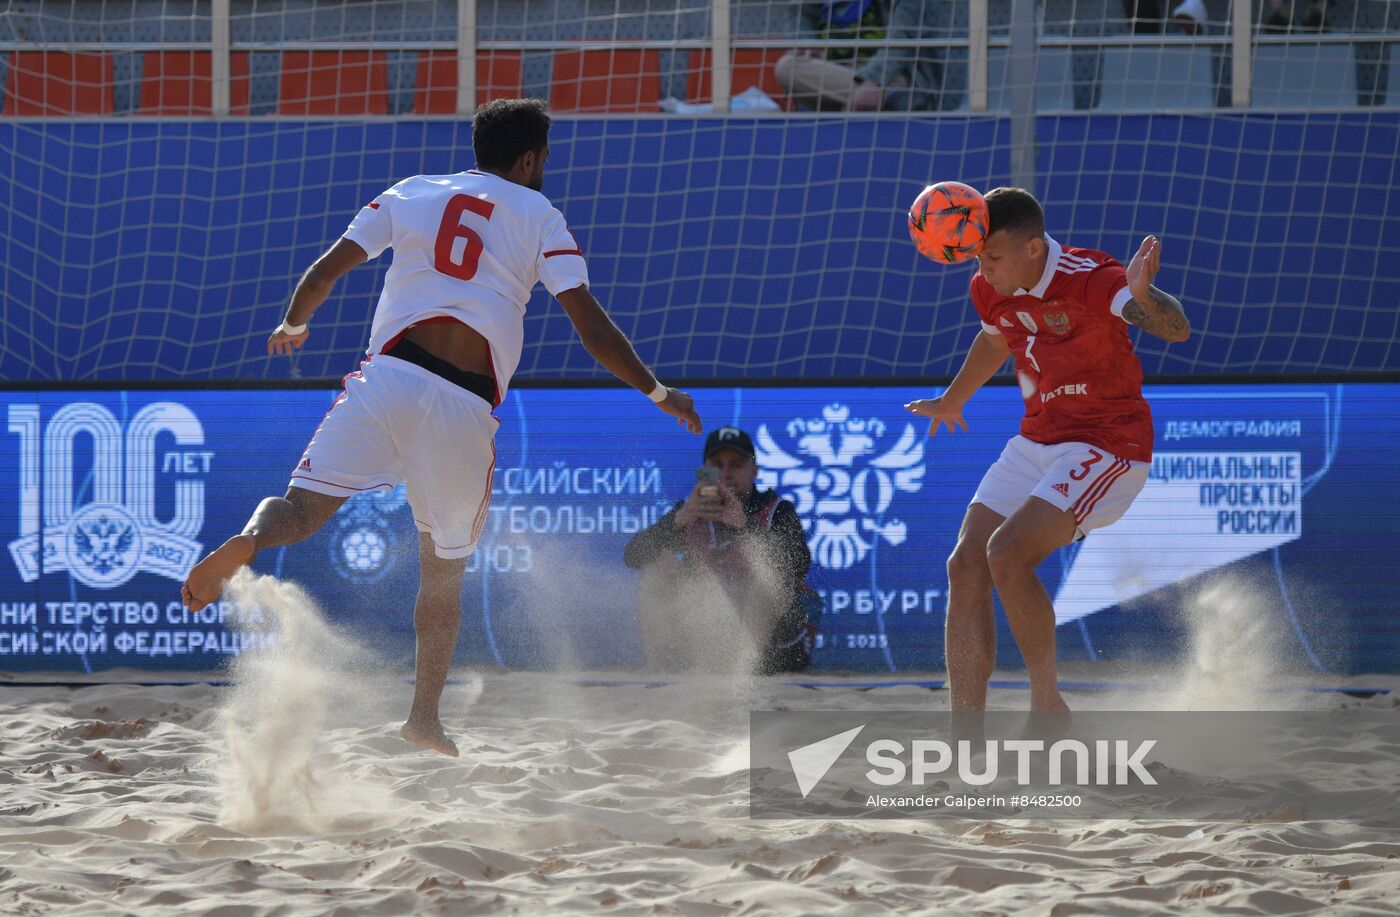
pixel 659 393
pixel 291 329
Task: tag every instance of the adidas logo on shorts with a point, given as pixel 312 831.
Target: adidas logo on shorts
pixel 1063 489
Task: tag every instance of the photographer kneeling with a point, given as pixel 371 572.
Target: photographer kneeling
pixel 727 552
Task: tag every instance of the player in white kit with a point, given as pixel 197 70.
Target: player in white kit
pixel 445 341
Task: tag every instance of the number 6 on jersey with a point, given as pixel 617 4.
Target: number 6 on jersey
pixel 448 257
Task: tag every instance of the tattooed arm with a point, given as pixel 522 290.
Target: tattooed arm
pixel 1157 313
pixel 1160 315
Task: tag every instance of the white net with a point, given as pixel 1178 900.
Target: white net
pixel 148 238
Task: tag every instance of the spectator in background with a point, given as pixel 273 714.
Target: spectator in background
pixel 825 79
pixel 902 79
pixel 1190 17
pixel 724 573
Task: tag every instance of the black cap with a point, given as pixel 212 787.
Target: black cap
pixel 729 438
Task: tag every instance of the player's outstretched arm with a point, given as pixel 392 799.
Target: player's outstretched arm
pixel 1159 314
pixel 313 288
pixel 988 352
pixel 610 347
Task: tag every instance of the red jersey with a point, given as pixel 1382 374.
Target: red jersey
pixel 1078 373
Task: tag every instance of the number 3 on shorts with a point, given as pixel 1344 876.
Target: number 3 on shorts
pixel 1083 471
pixel 446 259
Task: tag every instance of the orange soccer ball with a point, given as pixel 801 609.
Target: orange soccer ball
pixel 948 222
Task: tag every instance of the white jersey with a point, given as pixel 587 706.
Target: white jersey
pixel 468 246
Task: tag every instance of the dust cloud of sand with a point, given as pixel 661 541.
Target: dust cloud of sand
pixel 274 775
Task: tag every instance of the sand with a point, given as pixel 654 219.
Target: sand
pixel 291 793
pixel 574 799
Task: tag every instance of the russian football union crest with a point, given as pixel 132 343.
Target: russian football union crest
pixel 843 478
pixel 364 546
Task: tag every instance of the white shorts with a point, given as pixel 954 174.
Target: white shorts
pixel 396 422
pixel 1096 486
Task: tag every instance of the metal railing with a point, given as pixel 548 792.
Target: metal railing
pixel 1022 40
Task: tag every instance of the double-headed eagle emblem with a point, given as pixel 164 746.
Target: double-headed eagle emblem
pixel 842 488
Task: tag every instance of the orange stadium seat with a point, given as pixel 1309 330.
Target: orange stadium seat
pixel 334 83
pixel 181 83
pixel 59 83
pixel 497 77
pixel 616 80
pixel 750 67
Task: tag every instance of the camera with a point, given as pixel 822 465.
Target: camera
pixel 709 481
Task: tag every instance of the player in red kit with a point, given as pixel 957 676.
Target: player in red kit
pixel 1085 445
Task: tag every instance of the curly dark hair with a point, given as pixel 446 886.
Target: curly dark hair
pixel 506 129
pixel 1014 210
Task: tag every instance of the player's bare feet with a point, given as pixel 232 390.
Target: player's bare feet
pixel 429 735
pixel 1049 720
pixel 1052 704
pixel 206 580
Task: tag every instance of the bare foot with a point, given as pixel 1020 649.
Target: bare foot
pixel 969 726
pixel 206 580
pixel 429 735
pixel 1053 703
pixel 1048 720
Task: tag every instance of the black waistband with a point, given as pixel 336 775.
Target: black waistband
pixel 484 387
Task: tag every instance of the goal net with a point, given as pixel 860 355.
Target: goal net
pixel 150 236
